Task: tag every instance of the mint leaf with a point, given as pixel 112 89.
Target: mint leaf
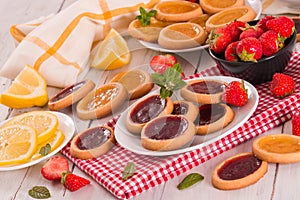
pixel 190 180
pixel 145 17
pixel 158 79
pixel 45 150
pixel 169 81
pixel 128 171
pixel 39 192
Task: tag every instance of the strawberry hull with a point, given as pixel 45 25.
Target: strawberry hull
pixel 257 72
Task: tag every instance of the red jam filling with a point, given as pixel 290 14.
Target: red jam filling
pixel 148 109
pixel 93 138
pixel 67 91
pixel 239 167
pixel 209 113
pixel 166 128
pixel 180 109
pixel 206 87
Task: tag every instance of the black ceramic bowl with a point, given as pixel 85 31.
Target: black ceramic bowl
pixel 261 71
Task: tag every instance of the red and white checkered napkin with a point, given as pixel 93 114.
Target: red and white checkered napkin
pixel 152 171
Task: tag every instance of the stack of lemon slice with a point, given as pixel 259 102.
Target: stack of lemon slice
pixel 22 136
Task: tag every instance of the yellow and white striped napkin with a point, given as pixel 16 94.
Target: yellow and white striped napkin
pixel 59 46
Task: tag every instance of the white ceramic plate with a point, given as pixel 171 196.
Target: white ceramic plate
pixel 242 114
pixel 255 4
pixel 66 125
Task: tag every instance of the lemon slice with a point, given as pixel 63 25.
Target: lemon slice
pixel 17 144
pixel 54 142
pixel 28 89
pixel 45 123
pixel 112 53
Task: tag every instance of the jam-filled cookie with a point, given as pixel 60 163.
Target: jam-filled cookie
pixel 148 33
pixel 213 117
pixel 185 108
pixel 220 19
pixel 70 95
pixel 146 109
pixel 203 91
pixel 239 171
pixel 137 82
pixel 102 101
pixel 167 133
pixel 182 36
pixel 277 148
pixel 92 142
pixel 177 11
pixel 212 7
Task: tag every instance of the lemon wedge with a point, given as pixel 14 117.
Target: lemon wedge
pixel 112 52
pixel 54 142
pixel 28 89
pixel 45 123
pixel 17 144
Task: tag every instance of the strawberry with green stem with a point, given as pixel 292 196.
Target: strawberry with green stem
pixel 73 182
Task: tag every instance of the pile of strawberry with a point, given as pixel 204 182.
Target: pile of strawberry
pixel 239 41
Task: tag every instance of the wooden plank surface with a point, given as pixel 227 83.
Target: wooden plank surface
pixel 281 181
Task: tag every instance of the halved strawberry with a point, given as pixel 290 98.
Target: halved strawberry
pixel 73 182
pixel 160 63
pixel 54 167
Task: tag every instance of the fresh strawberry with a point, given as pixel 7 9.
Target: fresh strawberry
pixel 249 49
pixel 296 123
pixel 230 52
pixel 73 182
pixel 54 167
pixel 235 94
pixel 282 25
pixel 235 28
pixel 251 31
pixel 270 43
pixel 262 22
pixel 219 39
pixel 282 85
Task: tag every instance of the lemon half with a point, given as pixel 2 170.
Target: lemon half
pixel 112 52
pixel 28 89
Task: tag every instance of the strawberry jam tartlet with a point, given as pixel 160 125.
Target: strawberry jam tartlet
pixel 239 171
pixel 92 142
pixel 213 117
pixel 203 91
pixel 146 109
pixel 167 133
pixel 185 108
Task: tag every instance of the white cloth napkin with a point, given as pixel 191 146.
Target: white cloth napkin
pixel 278 7
pixel 59 46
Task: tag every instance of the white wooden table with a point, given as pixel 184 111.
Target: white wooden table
pixel 281 181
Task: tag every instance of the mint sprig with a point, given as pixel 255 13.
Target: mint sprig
pixel 169 81
pixel 145 17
